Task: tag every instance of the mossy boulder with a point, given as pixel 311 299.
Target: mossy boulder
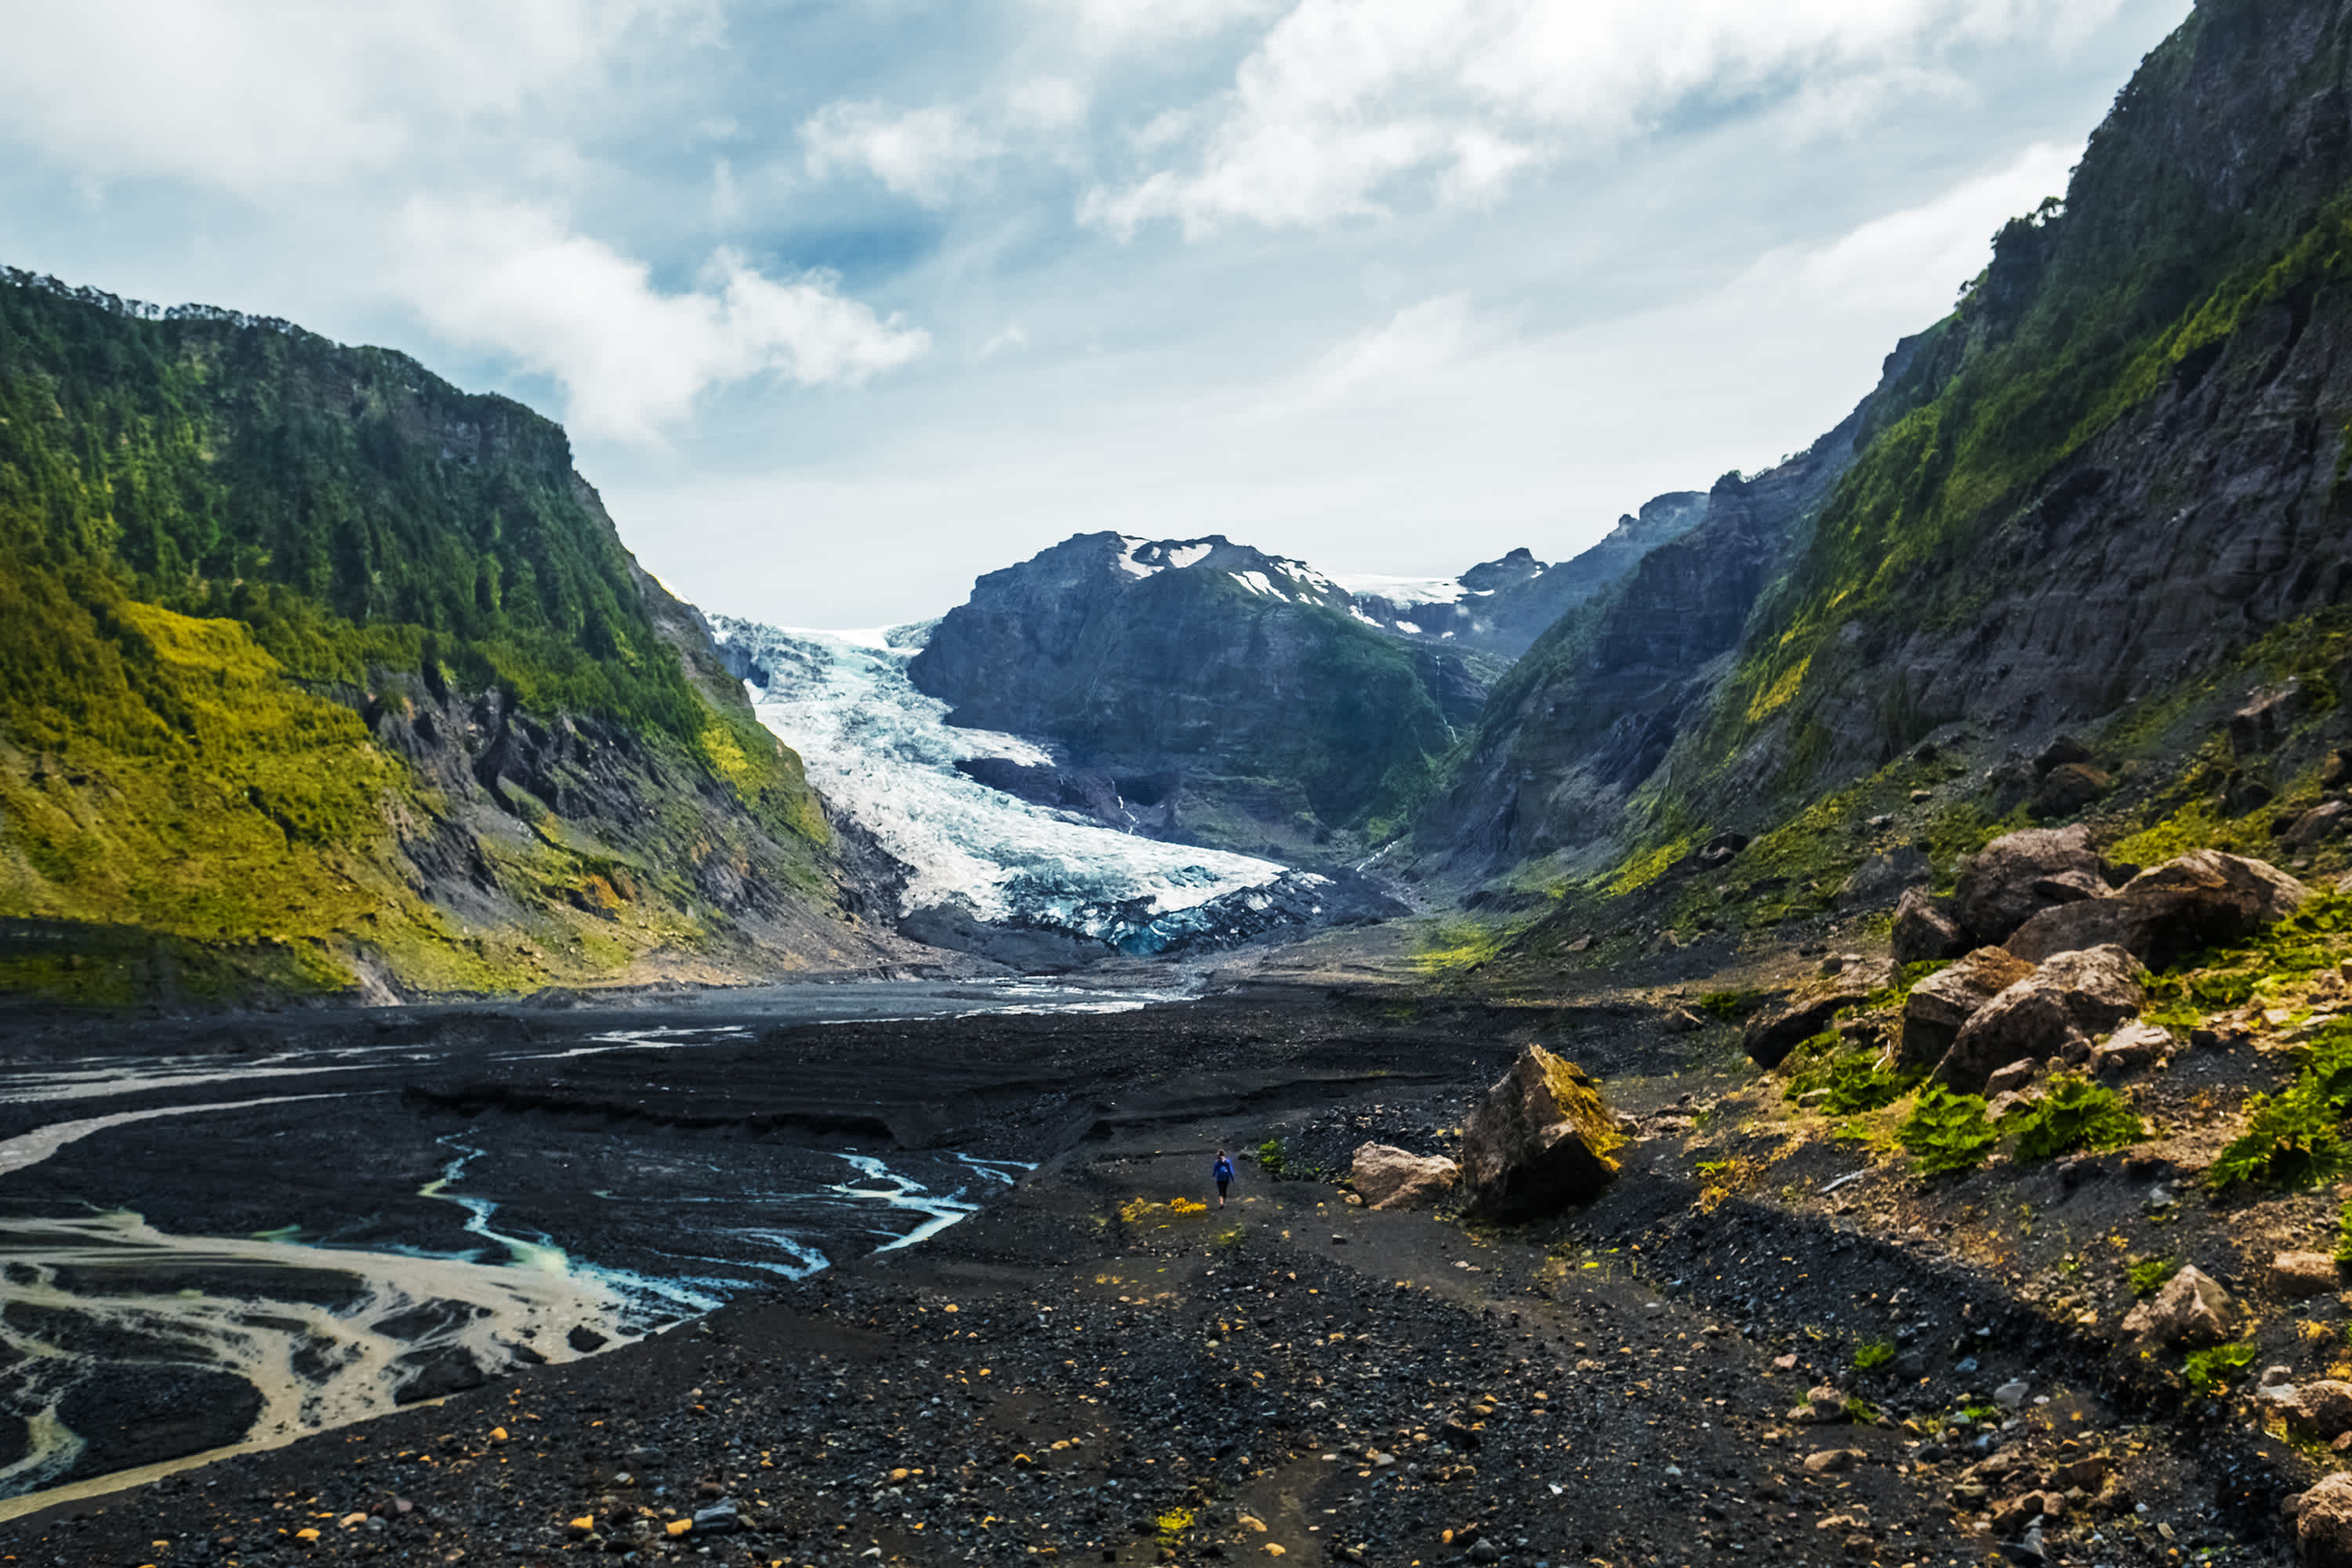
pixel 1542 1140
pixel 1797 1016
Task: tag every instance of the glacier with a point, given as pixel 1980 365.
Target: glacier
pixel 883 755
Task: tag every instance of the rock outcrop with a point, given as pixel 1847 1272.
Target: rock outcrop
pixel 1541 1140
pixel 2131 1048
pixel 2323 1521
pixel 1885 878
pixel 2191 1310
pixel 1937 1008
pixel 2051 1011
pixel 2205 899
pixel 1387 1177
pixel 2322 1408
pixel 2019 875
pixel 1787 1023
pixel 1925 931
pixel 2296 1275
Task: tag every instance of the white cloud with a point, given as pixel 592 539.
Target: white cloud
pixel 1047 103
pixel 1399 355
pixel 630 358
pixel 726 197
pixel 1342 100
pixel 923 153
pixel 1879 265
pixel 1117 26
pixel 256 94
pixel 1012 337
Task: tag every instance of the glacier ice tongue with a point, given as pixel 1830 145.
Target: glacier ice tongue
pixel 883 755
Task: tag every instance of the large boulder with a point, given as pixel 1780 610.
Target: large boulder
pixel 1924 930
pixel 2067 789
pixel 2192 1310
pixel 2299 1274
pixel 1797 1016
pixel 1540 1141
pixel 2322 1407
pixel 2270 712
pixel 1387 1177
pixel 2051 1012
pixel 2019 875
pixel 1939 1004
pixel 2132 1047
pixel 2204 898
pixel 2318 824
pixel 2323 1521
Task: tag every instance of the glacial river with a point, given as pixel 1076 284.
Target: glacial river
pixel 285 1237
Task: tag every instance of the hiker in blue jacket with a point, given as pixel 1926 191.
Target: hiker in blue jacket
pixel 1224 1171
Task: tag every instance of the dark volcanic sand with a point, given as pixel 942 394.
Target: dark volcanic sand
pixel 1083 1371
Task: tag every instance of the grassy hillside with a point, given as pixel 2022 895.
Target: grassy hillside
pixel 276 610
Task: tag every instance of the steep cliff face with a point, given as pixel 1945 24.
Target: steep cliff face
pixel 321 675
pixel 1593 709
pixel 2134 467
pixel 2105 499
pixel 1239 698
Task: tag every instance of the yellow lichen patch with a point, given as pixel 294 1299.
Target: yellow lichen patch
pixel 1647 866
pixel 726 757
pixel 1579 1096
pixel 1782 691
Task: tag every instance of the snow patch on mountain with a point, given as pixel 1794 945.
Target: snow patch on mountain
pixel 1402 590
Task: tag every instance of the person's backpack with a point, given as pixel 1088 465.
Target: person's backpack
pixel 1225 1171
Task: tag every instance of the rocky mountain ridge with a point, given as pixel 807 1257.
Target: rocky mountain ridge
pixel 1240 698
pixel 1504 606
pixel 1588 715
pixel 1210 691
pixel 2100 503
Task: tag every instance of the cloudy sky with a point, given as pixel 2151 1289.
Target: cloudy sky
pixel 846 302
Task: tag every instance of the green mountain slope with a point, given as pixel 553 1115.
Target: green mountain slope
pixel 321 674
pixel 2106 498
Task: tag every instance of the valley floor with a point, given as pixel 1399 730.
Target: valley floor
pixel 1103 1365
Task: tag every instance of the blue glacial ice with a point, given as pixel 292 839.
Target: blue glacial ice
pixel 883 755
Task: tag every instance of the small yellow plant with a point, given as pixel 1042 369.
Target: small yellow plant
pixel 1187 1205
